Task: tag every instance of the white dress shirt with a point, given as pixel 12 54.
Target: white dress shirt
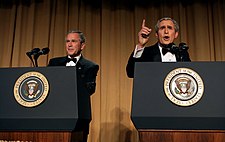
pixel 168 57
pixel 71 63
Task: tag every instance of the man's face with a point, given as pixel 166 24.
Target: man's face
pixel 73 45
pixel 166 33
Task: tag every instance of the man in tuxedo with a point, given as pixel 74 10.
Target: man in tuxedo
pixel 166 31
pixel 86 78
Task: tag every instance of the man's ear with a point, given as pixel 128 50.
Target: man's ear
pixel 176 34
pixel 83 46
pixel 156 34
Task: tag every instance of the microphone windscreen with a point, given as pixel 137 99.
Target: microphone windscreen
pixel 45 50
pixel 35 50
pixel 28 54
pixel 183 46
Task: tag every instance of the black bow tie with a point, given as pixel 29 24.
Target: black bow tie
pixel 71 59
pixel 165 50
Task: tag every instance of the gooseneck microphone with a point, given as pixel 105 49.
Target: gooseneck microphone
pixel 36 52
pixel 183 47
pixel 180 51
pixel 44 51
pixel 32 52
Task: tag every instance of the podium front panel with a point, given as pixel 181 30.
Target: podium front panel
pixel 59 111
pixel 151 109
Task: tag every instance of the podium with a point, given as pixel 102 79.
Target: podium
pixel 156 115
pixel 52 118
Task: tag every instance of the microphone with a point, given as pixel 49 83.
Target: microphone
pixel 40 52
pixel 33 51
pixel 36 52
pixel 183 47
pixel 44 51
pixel 174 48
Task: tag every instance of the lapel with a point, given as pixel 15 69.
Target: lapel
pixel 80 66
pixel 157 54
pixel 63 61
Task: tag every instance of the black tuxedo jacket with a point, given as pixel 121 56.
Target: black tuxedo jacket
pixel 150 54
pixel 86 83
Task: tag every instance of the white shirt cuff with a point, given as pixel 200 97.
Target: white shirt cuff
pixel 138 52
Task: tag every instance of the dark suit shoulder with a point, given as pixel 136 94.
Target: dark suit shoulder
pixel 57 61
pixel 151 54
pixel 87 63
pixel 154 49
pixel 58 58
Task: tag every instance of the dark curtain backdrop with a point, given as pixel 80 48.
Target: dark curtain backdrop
pixel 111 28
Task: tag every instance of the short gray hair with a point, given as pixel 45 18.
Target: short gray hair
pixel 81 35
pixel 176 26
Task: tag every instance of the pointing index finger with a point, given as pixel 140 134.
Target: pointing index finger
pixel 143 23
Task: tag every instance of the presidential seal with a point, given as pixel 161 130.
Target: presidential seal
pixel 183 87
pixel 31 89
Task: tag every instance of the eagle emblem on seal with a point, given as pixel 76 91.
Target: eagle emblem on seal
pixel 182 86
pixel 31 89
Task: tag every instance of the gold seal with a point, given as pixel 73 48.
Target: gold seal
pixel 183 87
pixel 31 89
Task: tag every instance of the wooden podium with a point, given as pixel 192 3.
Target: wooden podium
pixel 158 119
pixel 53 120
pixel 149 135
